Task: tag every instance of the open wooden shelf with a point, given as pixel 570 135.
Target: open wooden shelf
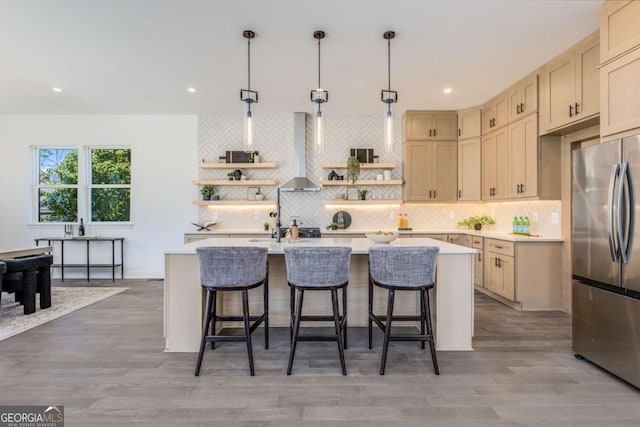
pixel 362 165
pixel 242 183
pixel 237 166
pixel 361 202
pixel 362 183
pixel 234 202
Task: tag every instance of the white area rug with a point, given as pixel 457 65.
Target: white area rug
pixel 63 301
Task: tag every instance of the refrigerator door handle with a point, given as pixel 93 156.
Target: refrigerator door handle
pixel 630 212
pixel 612 241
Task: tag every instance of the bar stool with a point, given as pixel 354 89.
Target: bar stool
pixel 318 269
pixel 233 269
pixel 28 276
pixel 3 269
pixel 404 269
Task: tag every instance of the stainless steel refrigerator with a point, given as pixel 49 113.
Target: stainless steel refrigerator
pixel 606 262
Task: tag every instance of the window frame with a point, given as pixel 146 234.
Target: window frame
pixel 83 187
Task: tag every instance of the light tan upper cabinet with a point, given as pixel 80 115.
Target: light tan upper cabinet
pixel 495 165
pixel 523 97
pixel 469 169
pixel 430 171
pixel 570 85
pixel 620 94
pixel 434 125
pixel 523 156
pixel 495 113
pixel 469 122
pixel 619 21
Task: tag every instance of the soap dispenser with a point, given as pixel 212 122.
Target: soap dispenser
pixel 294 230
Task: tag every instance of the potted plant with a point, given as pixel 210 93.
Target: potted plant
pixel 353 169
pixel 230 176
pixel 207 191
pixel 333 226
pixel 266 226
pixel 476 222
pixel 363 194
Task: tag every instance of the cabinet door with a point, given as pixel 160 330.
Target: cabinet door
pixel 479 268
pixel 488 165
pixel 492 274
pixel 523 151
pixel 559 91
pixel 618 28
pixel 508 280
pixel 488 114
pixel 501 105
pixel 469 123
pixel 620 94
pixel 587 78
pixel 417 125
pixel 417 171
pixel 445 126
pixel 502 164
pixel 528 95
pixel 469 170
pixel 444 166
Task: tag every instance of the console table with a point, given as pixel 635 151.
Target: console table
pixel 88 265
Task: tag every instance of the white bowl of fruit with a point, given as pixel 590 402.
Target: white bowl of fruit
pixel 382 236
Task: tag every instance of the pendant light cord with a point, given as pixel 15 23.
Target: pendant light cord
pixel 249 62
pixel 319 87
pixel 389 61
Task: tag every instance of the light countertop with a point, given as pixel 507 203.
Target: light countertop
pixel 359 245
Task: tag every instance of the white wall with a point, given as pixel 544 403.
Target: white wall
pixel 164 162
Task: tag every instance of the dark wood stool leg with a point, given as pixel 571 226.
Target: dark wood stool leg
pixel 344 316
pixel 423 317
pixel 336 318
pixel 43 281
pixel 292 302
pixel 370 314
pixel 432 341
pixel 213 317
pixel 265 298
pixel 296 328
pixel 247 328
pixel 205 328
pixel 387 330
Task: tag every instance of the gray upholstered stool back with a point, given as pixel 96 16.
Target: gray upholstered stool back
pixel 403 266
pixel 230 266
pixel 317 266
pixel 3 269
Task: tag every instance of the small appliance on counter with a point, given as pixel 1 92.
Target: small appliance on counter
pixel 303 232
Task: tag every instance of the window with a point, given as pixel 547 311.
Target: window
pixel 57 188
pixel 94 184
pixel 110 187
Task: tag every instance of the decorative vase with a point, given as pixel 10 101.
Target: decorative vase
pixel 215 197
pixel 353 169
pixel 206 197
pixel 259 196
pixel 237 174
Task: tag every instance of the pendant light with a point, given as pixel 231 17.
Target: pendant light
pixel 388 97
pixel 319 96
pixel 249 97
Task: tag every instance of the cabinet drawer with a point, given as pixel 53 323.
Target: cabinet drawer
pixel 501 247
pixel 477 242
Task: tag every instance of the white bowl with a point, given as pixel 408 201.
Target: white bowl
pixel 382 238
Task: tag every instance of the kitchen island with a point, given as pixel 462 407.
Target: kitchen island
pixel 453 295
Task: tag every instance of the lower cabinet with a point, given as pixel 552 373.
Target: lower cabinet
pixel 478 244
pixel 525 274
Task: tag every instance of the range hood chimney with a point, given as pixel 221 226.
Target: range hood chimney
pixel 300 182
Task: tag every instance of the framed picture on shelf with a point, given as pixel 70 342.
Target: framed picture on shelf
pixel 251 192
pixel 352 193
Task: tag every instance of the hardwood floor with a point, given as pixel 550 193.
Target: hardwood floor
pixel 106 365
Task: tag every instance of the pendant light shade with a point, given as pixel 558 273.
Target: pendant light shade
pixel 319 97
pixel 249 97
pixel 388 97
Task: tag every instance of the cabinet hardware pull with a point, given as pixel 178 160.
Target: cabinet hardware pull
pixel 459 193
pixel 522 107
pixel 459 132
pixel 522 188
pixel 499 263
pixel 479 257
pixel 429 132
pixel 518 109
pixel 429 193
pixel 434 194
pixel 570 110
pixel 577 105
pixel 434 132
pixel 498 247
pixel 495 262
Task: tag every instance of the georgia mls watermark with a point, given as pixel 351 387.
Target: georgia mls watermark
pixel 32 416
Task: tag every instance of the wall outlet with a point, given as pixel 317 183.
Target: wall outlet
pixel 555 218
pixel 534 217
pixel 452 215
pixel 392 215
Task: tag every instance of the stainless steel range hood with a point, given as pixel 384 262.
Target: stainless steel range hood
pixel 300 182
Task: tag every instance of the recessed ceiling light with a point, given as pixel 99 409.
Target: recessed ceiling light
pixel 191 89
pixel 56 89
pixel 446 90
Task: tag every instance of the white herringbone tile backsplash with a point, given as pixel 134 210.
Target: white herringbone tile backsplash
pixel 274 141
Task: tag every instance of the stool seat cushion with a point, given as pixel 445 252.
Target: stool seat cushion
pixel 317 267
pixel 232 266
pixel 404 267
pixel 28 263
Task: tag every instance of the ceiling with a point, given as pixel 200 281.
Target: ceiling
pixel 139 56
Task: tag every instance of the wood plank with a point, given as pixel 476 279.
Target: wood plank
pixel 237 165
pixel 242 183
